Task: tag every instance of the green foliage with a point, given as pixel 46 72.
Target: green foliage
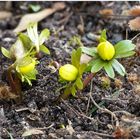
pixel 5 52
pixel 34 8
pixel 90 51
pixel 75 57
pixel 97 65
pixel 26 70
pixel 103 36
pixel 44 49
pixel 118 67
pixel 25 40
pixel 77 84
pixel 45 34
pixel 124 48
pixel 24 51
pixel 109 70
pixel 17 51
pixel 37 39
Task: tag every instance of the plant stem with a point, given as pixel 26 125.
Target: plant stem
pixel 66 94
pixel 88 79
pixel 38 55
pixel 14 83
pixel 67 91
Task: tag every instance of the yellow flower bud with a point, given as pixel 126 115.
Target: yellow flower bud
pixel 106 50
pixel 68 72
pixel 25 67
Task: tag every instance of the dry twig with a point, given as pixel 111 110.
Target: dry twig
pixel 77 113
pixel 103 109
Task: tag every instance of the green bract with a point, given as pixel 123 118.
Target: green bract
pixel 26 65
pixel 105 55
pixel 26 69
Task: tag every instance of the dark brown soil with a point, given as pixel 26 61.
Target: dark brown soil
pixel 66 120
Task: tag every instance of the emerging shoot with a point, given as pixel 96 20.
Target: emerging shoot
pixel 23 54
pixel 38 39
pixel 72 74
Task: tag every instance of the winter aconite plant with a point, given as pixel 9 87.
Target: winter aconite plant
pixel 72 74
pixel 23 54
pixel 105 55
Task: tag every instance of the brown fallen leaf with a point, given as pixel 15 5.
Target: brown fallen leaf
pixel 6 94
pixel 69 128
pixel 137 89
pixel 33 131
pixel 106 12
pixel 5 14
pixel 36 17
pixel 122 133
pixel 134 24
pixel 134 11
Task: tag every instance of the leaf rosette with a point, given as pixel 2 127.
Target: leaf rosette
pixel 105 55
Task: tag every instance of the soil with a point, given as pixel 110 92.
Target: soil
pixel 76 117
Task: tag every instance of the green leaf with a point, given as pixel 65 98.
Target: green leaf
pixel 44 49
pixel 33 34
pixel 28 81
pixel 32 31
pixel 90 51
pixel 82 69
pixel 28 77
pixel 126 54
pixel 24 61
pixel 25 40
pixel 75 57
pixel 88 68
pixel 45 34
pixel 103 36
pixel 78 54
pixel 34 8
pixel 123 47
pixel 96 65
pixel 73 90
pixel 32 74
pixel 109 70
pixel 5 52
pixel 17 50
pixel 118 67
pixel 79 83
